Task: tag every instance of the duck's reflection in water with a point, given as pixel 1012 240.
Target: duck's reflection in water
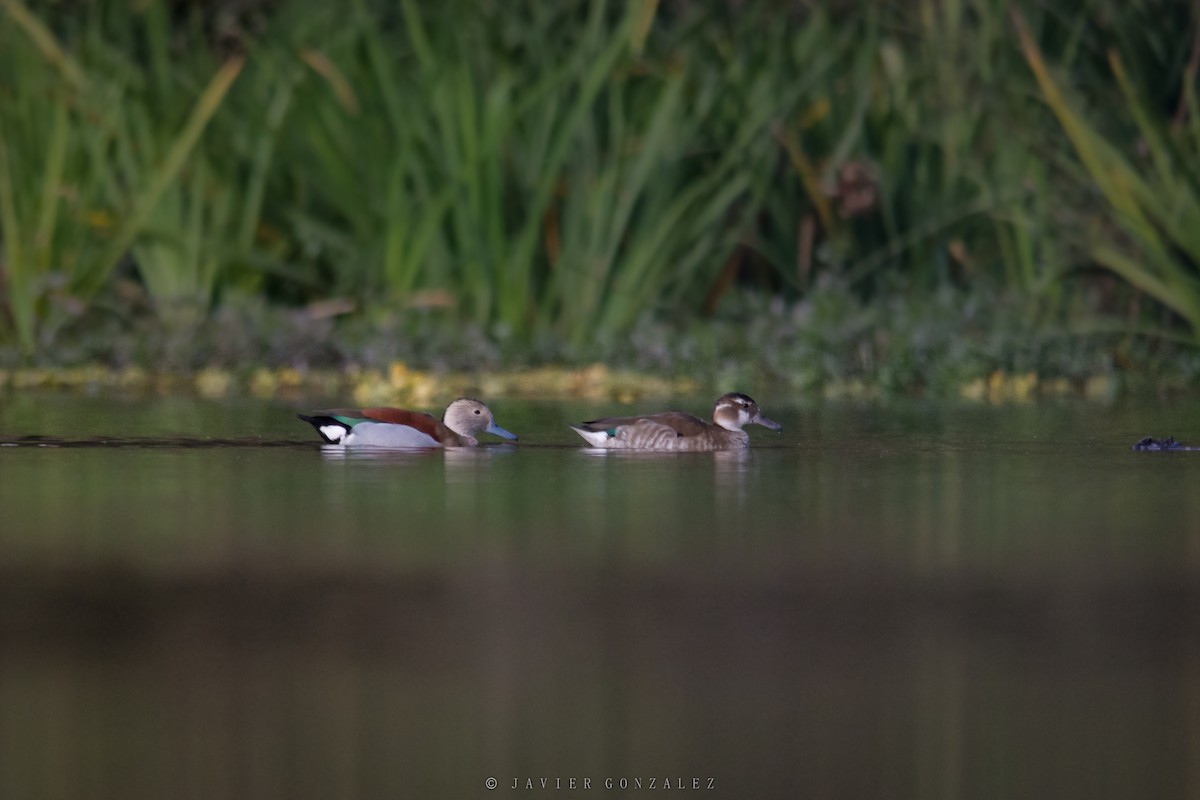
pixel 727 461
pixel 473 464
pixel 731 469
pixel 731 474
pixel 413 455
pixel 377 455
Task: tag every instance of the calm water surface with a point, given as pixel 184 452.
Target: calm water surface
pixel 906 601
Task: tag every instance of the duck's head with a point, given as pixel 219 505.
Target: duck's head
pixel 735 410
pixel 467 417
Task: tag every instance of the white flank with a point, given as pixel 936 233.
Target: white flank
pixel 383 434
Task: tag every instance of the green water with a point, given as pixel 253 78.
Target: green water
pixel 910 601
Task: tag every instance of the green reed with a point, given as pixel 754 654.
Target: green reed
pixel 80 176
pixel 1150 235
pixel 510 186
pixel 562 170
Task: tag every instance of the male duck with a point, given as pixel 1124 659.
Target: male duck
pixel 675 430
pixel 395 427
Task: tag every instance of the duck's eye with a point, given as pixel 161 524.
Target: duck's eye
pixel 477 411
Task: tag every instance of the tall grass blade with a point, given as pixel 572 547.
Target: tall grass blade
pixel 19 272
pixel 158 181
pixel 1138 204
pixel 45 42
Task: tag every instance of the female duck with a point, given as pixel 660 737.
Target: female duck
pixel 395 427
pixel 675 430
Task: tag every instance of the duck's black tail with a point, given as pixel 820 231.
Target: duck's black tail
pixel 331 429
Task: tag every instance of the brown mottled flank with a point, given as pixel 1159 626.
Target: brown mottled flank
pixel 681 423
pixel 651 434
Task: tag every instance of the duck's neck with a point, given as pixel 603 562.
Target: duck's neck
pixel 460 439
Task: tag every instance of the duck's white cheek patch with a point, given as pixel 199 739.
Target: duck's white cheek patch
pixel 333 432
pixel 743 416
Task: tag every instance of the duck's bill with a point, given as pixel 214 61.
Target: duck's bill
pixel 496 430
pixel 767 423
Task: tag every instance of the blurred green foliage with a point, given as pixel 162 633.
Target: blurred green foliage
pixel 560 177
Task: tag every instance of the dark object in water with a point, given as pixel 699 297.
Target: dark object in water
pixel 1169 443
